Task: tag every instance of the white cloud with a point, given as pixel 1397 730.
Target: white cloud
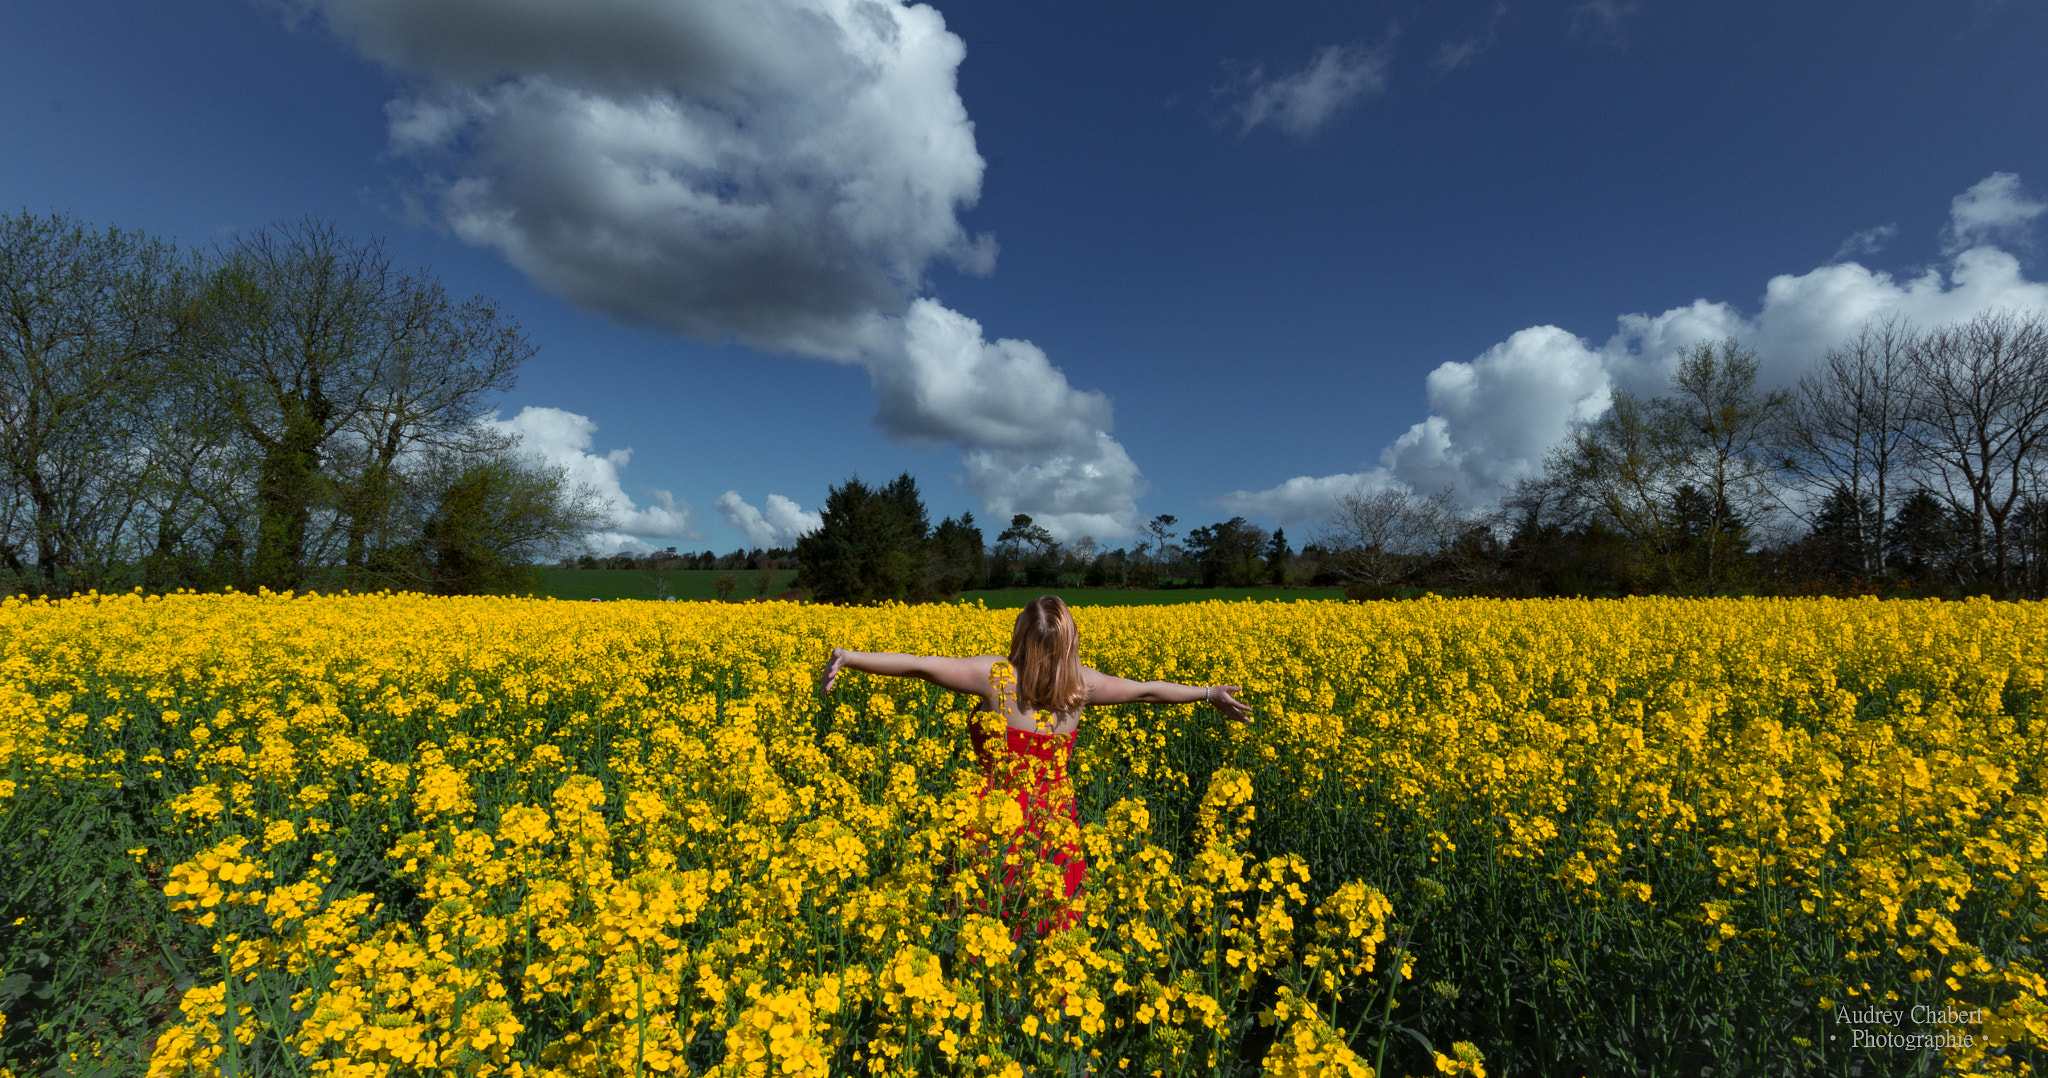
pixel 1492 418
pixel 1305 498
pixel 1452 55
pixel 566 439
pixel 1992 211
pixel 1033 443
pixel 944 383
pixel 1086 489
pixel 781 525
pixel 1301 103
pixel 1867 242
pixel 778 173
pixel 771 171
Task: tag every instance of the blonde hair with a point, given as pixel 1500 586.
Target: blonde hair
pixel 1045 651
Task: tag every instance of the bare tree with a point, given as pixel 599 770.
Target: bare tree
pixel 1847 427
pixel 90 319
pixel 1439 522
pixel 657 568
pixel 1376 536
pixel 196 492
pixel 1979 399
pixel 1163 553
pixel 1461 544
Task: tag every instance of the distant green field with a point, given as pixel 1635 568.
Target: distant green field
pixel 585 584
pixel 686 584
pixel 999 599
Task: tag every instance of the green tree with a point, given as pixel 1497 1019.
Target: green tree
pixel 1622 468
pixel 1707 536
pixel 1714 433
pixel 956 556
pixel 1839 541
pixel 1030 545
pixel 1722 427
pixel 1227 554
pixel 1930 538
pixel 2030 547
pixel 331 365
pixel 1160 535
pixel 871 544
pixel 485 519
pixel 1026 539
pixel 1277 553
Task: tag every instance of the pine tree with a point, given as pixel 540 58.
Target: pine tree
pixel 1277 554
pixel 870 547
pixel 956 549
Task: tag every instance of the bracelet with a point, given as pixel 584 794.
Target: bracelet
pixel 1207 694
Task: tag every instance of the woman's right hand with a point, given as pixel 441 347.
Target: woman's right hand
pixel 1231 705
pixel 832 668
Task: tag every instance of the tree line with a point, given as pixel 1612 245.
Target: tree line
pixel 289 409
pixel 669 560
pixel 286 409
pixel 877 543
pixel 1908 461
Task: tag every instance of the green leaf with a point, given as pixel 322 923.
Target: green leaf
pixel 12 989
pixel 1419 1039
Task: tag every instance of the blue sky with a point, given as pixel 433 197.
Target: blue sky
pixel 1093 262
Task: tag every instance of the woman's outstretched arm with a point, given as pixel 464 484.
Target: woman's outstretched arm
pixel 1118 690
pixel 968 675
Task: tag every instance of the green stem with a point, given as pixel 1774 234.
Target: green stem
pixel 1387 1014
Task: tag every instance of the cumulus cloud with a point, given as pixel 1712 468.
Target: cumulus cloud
pixel 777 173
pixel 1994 210
pixel 951 385
pixel 1301 103
pixel 1033 443
pixel 566 439
pixel 771 172
pixel 1457 53
pixel 1082 490
pixel 1492 418
pixel 780 525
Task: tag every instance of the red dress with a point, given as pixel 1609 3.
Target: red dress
pixel 1032 767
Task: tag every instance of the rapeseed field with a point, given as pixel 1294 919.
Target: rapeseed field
pixel 382 835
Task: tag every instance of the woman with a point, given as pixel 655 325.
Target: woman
pixel 1039 690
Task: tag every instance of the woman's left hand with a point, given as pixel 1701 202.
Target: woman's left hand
pixel 1230 705
pixel 832 668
